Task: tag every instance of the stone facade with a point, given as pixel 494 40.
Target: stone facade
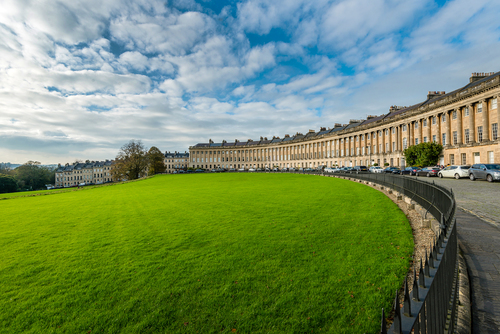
pixel 176 161
pixel 89 172
pixel 464 121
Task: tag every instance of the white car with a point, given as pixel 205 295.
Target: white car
pixel 251 169
pixel 241 170
pixel 456 171
pixel 376 169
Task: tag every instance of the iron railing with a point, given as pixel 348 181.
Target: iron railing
pixel 431 306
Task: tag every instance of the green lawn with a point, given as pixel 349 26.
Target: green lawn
pixel 202 253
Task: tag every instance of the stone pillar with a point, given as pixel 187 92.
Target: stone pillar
pixel 438 129
pixel 448 128
pixel 410 134
pixel 420 130
pixel 486 115
pixel 472 124
pixel 460 129
pixel 429 125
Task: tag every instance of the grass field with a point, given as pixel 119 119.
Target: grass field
pixel 202 253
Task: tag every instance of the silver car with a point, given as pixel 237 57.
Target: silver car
pixel 490 172
pixel 456 171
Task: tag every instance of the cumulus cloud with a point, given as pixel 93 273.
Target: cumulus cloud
pixel 81 78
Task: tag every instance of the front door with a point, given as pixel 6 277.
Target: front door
pixel 477 158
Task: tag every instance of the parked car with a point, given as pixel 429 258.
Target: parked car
pixel 252 170
pixel 276 169
pixel 392 170
pixel 490 172
pixel 199 171
pixel 429 171
pixel 242 169
pixel 259 169
pixel 267 169
pixel 308 170
pixel 376 169
pixel 410 171
pixel 232 169
pixel 360 168
pixel 454 171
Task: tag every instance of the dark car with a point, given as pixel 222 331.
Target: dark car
pixel 360 168
pixel 490 172
pixel 199 171
pixel 410 171
pixel 429 171
pixel 393 170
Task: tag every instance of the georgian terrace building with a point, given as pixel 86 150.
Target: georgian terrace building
pixel 176 161
pixel 464 121
pixel 95 172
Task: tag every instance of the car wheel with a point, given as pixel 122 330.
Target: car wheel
pixel 457 176
pixel 428 174
pixel 472 177
pixel 489 178
pixel 440 175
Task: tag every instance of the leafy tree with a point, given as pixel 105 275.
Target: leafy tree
pixel 131 162
pixel 32 176
pixel 8 184
pixel 156 161
pixel 423 154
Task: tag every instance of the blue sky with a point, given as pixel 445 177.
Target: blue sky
pixel 81 78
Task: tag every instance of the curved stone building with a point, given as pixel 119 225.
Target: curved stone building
pixel 464 121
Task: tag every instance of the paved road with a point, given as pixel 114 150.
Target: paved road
pixel 479 239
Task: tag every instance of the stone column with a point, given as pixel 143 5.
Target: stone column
pixel 460 129
pixel 438 128
pixel 410 134
pixel 449 140
pixel 472 124
pixel 486 116
pixel 396 134
pixel 429 125
pixel 420 130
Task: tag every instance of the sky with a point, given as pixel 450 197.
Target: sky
pixel 79 79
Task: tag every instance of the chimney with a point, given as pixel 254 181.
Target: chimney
pixel 210 141
pixel 337 125
pixel 311 131
pixel 479 75
pixel 433 94
pixel 371 116
pixel 322 129
pixel 249 140
pixel 287 136
pixel 265 138
pixel 261 138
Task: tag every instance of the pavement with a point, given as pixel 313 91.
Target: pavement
pixel 478 227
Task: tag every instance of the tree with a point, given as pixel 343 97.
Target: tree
pixel 32 176
pixel 156 161
pixel 423 154
pixel 8 184
pixel 131 161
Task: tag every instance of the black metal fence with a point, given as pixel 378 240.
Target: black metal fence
pixel 431 306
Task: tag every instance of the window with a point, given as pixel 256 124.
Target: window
pixel 466 111
pixel 368 136
pixel 404 127
pixel 466 132
pixel 386 132
pixel 480 133
pixel 443 118
pixel 416 141
pixel 434 138
pixel 494 131
pixel 444 138
pixel 433 120
pixel 416 125
pixel 393 146
pixel 379 148
pixel 393 130
pixel 479 107
pixel 494 103
pixel 455 138
pixel 454 114
pixel 380 133
pixel 425 139
pixel 452 159
pixel 464 158
pixel 425 122
pixel 404 143
pixel 387 147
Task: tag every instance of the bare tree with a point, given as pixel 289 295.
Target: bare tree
pixel 131 162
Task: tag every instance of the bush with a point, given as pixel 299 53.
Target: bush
pixel 423 154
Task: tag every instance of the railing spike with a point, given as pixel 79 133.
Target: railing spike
pixel 427 271
pixel 383 324
pixel 431 257
pixel 406 301
pixel 421 280
pixel 415 286
pixel 397 316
